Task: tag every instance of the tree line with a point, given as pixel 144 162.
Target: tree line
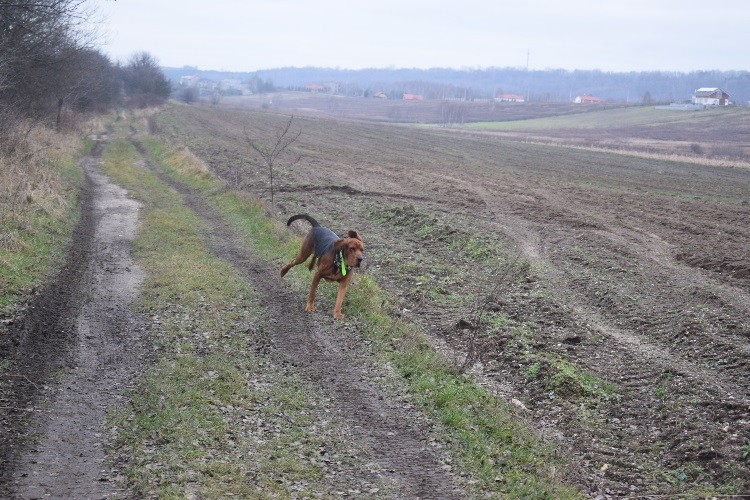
pixel 50 68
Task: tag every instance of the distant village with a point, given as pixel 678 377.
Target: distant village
pixel 195 87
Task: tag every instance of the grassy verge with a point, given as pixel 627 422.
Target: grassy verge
pixel 38 211
pixel 493 449
pixel 213 417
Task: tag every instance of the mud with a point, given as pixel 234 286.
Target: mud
pixel 78 346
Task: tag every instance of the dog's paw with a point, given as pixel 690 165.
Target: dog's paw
pixel 338 315
pixel 309 308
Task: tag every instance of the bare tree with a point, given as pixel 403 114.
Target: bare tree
pixel 189 95
pixel 36 36
pixel 452 113
pixel 144 81
pixel 100 82
pixel 275 151
pixel 47 63
pixel 476 343
pixel 85 80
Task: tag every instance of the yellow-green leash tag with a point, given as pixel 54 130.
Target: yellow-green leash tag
pixel 343 264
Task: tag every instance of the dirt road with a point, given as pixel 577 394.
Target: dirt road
pixel 75 351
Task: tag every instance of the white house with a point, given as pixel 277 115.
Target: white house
pixel 710 96
pixel 510 98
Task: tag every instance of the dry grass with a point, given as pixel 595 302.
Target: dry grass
pixel 39 183
pixel 31 181
pixel 189 163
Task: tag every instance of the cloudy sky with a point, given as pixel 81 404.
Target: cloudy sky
pixel 610 35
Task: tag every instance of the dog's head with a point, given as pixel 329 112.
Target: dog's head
pixel 353 249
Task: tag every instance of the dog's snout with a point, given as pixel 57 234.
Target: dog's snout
pixel 360 258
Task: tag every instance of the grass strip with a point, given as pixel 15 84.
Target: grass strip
pixel 496 451
pixel 36 230
pixel 212 417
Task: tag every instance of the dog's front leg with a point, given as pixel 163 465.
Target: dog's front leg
pixel 310 307
pixel 340 299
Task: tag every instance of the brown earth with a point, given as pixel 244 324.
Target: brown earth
pixel 627 335
pixel 400 111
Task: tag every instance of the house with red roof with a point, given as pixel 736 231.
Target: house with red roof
pixel 315 87
pixel 587 99
pixel 711 96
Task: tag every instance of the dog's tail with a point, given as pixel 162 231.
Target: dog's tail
pixel 302 216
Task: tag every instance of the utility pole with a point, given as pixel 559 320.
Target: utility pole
pixel 528 90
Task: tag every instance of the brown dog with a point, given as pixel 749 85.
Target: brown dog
pixel 336 258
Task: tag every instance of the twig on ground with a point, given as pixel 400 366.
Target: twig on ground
pixel 474 350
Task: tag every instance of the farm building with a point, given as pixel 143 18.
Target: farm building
pixel 710 96
pixel 510 98
pixel 330 87
pixel 587 99
pixel 413 97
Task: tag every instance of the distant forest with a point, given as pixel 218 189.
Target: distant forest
pixel 551 85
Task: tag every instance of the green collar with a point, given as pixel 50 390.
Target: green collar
pixel 343 264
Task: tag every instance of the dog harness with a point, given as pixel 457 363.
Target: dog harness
pixel 324 239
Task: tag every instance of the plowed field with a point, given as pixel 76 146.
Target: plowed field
pixel 615 288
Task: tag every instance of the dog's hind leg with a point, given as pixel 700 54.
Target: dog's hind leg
pixel 304 252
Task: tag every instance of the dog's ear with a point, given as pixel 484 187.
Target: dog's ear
pixel 354 234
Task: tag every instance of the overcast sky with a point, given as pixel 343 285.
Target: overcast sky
pixel 610 35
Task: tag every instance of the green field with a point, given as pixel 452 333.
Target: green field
pixel 637 116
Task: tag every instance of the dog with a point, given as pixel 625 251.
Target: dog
pixel 336 258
